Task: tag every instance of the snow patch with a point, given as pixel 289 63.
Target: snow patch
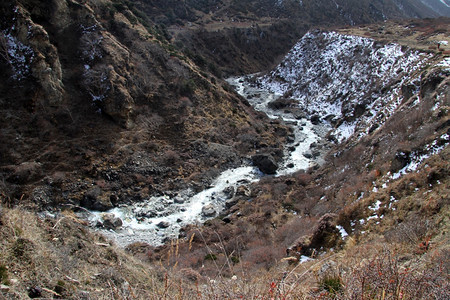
pixel 445 63
pixel 304 258
pixel 19 56
pixel 375 206
pixel 344 131
pixel 342 231
pixel 417 157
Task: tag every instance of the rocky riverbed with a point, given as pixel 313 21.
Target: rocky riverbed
pixel 159 219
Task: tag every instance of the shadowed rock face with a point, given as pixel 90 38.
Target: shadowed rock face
pixel 266 163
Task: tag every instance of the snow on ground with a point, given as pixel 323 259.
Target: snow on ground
pixel 345 77
pixel 342 231
pixel 445 63
pixel 19 56
pixel 416 157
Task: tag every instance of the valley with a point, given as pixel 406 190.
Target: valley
pixel 224 149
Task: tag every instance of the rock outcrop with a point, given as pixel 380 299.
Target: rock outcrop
pixel 110 221
pixel 266 163
pixel 325 235
pixel 29 53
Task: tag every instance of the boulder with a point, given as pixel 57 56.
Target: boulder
pixel 95 199
pixel 244 191
pixel 229 191
pixel 266 163
pixel 325 235
pixel 231 202
pixel 163 224
pixel 179 200
pixel 308 154
pixel 315 119
pixel 402 159
pixel 208 210
pixel 110 221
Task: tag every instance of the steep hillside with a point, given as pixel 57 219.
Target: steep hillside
pixel 107 105
pixel 442 7
pixel 97 109
pixel 382 191
pixel 346 80
pixel 371 222
pixel 242 37
pixel 356 82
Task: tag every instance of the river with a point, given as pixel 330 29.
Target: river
pixel 159 219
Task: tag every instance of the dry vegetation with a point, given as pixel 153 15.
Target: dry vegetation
pixel 397 247
pixel 398 242
pixel 60 258
pixel 418 34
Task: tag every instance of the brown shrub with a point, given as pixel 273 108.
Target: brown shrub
pixel 170 157
pixel 412 231
pixel 296 227
pixel 262 255
pixel 384 278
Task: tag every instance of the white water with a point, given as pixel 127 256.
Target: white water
pixel 305 132
pixel 140 220
pixel 177 215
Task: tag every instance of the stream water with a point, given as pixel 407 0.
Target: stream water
pixel 160 218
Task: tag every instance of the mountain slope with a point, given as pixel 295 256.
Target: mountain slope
pixel 378 193
pixel 340 78
pixel 97 109
pixel 442 7
pixel 250 36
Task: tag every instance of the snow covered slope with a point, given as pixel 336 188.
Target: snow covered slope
pixel 348 80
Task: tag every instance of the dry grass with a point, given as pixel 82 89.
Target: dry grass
pixel 422 34
pixel 61 257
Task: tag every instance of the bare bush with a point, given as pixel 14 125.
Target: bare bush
pixel 412 231
pixel 289 232
pixel 384 278
pixel 262 255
